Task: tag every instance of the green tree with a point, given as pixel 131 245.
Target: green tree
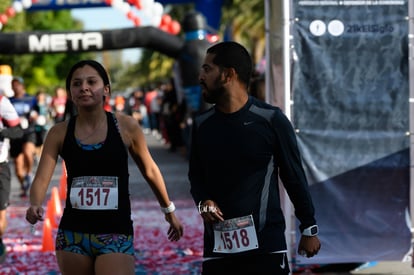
pixel 245 20
pixel 41 70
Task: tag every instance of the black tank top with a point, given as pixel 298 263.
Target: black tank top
pixel 96 170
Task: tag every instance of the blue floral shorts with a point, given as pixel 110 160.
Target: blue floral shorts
pixel 94 245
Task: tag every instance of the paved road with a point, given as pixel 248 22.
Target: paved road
pixel 174 168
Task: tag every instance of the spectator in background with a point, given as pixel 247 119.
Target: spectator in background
pixel 119 103
pixel 171 116
pixel 9 129
pixel 138 110
pixel 42 122
pixel 58 104
pixel 152 101
pixel 23 149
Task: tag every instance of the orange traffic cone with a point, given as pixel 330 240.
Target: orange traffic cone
pixel 62 183
pixel 47 239
pixel 54 208
pixel 50 214
pixel 57 207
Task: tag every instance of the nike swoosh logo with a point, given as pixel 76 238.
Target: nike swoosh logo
pixel 248 123
pixel 282 265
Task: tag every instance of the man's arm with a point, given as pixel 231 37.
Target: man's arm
pixel 11 132
pixel 12 128
pixel 291 171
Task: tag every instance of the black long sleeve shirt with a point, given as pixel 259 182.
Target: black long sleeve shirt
pixel 235 160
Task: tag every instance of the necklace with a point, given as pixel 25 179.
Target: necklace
pixel 93 132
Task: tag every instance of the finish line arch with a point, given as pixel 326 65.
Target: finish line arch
pixel 188 52
pixel 210 9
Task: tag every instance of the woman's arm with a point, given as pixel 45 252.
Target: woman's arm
pixel 44 171
pixel 135 141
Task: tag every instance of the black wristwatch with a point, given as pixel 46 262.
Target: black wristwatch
pixel 311 231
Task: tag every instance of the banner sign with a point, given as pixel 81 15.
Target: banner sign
pixel 87 41
pixel 66 4
pixel 351 112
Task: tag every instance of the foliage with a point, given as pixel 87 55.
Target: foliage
pixel 244 22
pixel 243 19
pixel 41 71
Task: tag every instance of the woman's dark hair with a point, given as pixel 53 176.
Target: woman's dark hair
pixel 94 64
pixel 231 54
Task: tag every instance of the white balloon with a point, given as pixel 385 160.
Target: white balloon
pixel 147 13
pixel 17 6
pixel 147 4
pixel 125 7
pixel 117 4
pixel 26 3
pixel 156 21
pixel 157 9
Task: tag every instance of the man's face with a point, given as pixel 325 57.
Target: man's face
pixel 18 88
pixel 211 80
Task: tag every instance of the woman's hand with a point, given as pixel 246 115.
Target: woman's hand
pixel 175 232
pixel 34 214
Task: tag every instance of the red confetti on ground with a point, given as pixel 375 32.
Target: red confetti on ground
pixel 154 253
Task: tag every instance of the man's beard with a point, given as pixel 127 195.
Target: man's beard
pixel 212 95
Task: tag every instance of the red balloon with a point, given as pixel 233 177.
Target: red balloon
pixel 137 21
pixel 164 27
pixel 3 19
pixel 138 4
pixel 212 38
pixel 174 27
pixel 130 15
pixel 10 12
pixel 165 19
pixel 108 2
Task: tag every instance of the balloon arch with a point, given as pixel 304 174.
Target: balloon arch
pixel 151 9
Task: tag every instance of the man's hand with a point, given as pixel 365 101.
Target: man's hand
pixel 309 246
pixel 210 212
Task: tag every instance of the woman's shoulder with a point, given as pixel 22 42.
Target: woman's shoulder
pixel 123 118
pixel 59 128
pixel 126 122
pixel 56 135
pixel 128 128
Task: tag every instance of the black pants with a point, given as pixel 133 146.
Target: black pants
pixel 263 264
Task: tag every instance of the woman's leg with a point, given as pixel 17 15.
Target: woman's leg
pixel 115 263
pixel 74 264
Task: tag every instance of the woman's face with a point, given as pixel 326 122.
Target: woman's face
pixel 87 88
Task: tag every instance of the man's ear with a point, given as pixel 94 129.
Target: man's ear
pixel 229 73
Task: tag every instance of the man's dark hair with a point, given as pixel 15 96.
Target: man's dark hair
pixel 231 54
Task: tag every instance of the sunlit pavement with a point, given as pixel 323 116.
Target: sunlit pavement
pixel 28 251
